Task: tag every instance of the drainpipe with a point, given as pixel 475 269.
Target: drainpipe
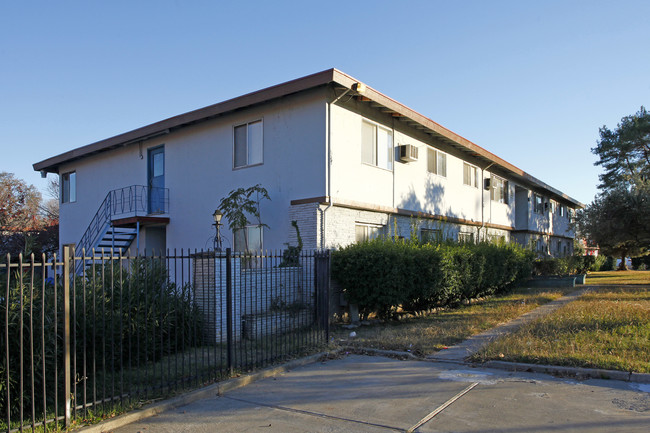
pixel 483 199
pixel 329 169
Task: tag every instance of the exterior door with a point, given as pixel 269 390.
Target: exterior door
pixel 156 180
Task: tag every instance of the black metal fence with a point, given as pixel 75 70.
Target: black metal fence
pixel 130 329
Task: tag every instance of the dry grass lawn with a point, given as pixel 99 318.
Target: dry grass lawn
pixel 427 334
pixel 619 277
pixel 607 328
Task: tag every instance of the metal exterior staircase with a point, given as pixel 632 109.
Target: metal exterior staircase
pixel 130 201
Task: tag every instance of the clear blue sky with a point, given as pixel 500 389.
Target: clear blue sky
pixel 529 81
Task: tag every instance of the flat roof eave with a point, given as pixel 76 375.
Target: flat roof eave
pixel 323 78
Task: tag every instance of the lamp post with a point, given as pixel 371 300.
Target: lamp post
pixel 217 224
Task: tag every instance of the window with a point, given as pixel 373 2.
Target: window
pixel 69 187
pixel 248 239
pixel 248 149
pixel 365 232
pixel 466 238
pixel 437 162
pixel 376 146
pixel 430 236
pixel 470 175
pixel 499 190
pixel 538 203
pixel 496 239
pixel 562 210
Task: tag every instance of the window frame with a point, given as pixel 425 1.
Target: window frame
pixel 538 204
pixel 390 161
pixel 433 235
pixel 367 235
pixel 436 165
pixel 474 170
pixel 503 197
pixel 248 144
pixel 247 229
pixel 466 238
pixel 69 187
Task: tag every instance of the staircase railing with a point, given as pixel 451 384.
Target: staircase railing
pixel 132 200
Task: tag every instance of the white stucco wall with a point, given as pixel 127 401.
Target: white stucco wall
pixel 199 171
pixel 408 186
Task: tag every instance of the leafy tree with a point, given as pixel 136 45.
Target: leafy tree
pixel 19 204
pixel 624 153
pixel 26 224
pixel 242 202
pixel 618 220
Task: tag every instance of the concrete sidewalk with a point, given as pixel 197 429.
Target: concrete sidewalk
pixel 376 394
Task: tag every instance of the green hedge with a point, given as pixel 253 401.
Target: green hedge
pixel 384 274
pixel 570 265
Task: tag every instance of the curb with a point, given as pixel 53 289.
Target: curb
pixel 578 372
pixel 553 370
pixel 209 391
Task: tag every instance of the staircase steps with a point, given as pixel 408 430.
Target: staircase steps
pixel 117 238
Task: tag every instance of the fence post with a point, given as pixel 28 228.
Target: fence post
pixel 68 272
pixel 322 259
pixel 229 312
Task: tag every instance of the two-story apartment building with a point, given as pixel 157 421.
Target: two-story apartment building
pixel 340 158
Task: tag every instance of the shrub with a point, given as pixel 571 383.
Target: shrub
pixel 609 264
pixel 383 274
pixel 121 314
pixel 598 264
pixel 641 263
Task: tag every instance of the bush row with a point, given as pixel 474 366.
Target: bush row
pixel 384 274
pixel 572 265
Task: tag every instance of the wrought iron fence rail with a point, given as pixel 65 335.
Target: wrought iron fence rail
pixel 133 328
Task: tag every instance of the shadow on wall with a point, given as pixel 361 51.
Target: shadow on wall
pixel 432 204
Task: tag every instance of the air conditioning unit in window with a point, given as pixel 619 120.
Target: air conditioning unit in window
pixel 487 183
pixel 408 153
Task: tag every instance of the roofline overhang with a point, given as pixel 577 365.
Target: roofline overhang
pixel 323 78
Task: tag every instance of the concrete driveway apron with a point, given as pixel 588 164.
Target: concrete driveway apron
pixel 377 394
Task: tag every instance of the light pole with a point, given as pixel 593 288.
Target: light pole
pixel 217 224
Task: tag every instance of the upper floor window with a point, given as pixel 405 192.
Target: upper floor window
pixel 437 162
pixel 499 190
pixel 248 144
pixel 376 146
pixel 562 210
pixel 470 175
pixel 69 187
pixel 538 203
